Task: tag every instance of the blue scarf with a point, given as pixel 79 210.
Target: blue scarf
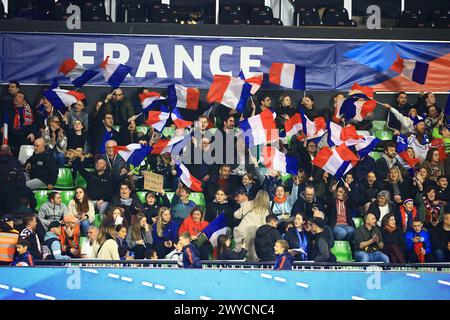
pixel 302 244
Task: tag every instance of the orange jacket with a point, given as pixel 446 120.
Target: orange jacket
pixel 194 228
pixel 67 243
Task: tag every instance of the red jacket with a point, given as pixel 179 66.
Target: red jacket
pixel 194 228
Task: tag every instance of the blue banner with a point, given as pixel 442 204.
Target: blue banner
pixel 158 61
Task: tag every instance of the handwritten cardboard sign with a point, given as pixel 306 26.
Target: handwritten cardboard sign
pixel 153 182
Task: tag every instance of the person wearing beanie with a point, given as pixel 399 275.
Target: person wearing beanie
pixel 419 140
pixel 322 243
pixel 408 212
pixel 7 224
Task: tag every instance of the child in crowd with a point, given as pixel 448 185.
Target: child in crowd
pixel 176 254
pixel 23 257
pixel 191 255
pixel 284 259
pixel 224 251
pixel 408 213
pixel 418 243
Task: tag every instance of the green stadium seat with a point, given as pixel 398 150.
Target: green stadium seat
pixel 117 128
pixel 198 198
pixel 378 125
pixel 41 198
pixel 83 240
pixel 80 181
pixel 170 195
pixel 98 220
pixel 375 155
pixel 342 251
pixel 168 132
pixel 66 195
pixel 65 180
pixel 384 135
pixel 212 130
pixel 285 177
pixel 143 129
pixel 141 195
pixel 358 222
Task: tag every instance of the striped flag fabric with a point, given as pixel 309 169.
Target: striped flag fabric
pixel 165 145
pixel 183 97
pixel 150 100
pixel 231 92
pixel 420 149
pixel 189 180
pixel 61 98
pixel 411 69
pixel 5 128
pixel 259 129
pixel 158 119
pixel 255 82
pixel 114 72
pixel 401 147
pixel 293 125
pixel 277 160
pixel 338 135
pixel 287 75
pixel 358 91
pixel 178 119
pixel 217 227
pixel 337 161
pixel 133 153
pixel 366 146
pixel 77 74
pixel 351 108
pixel 313 129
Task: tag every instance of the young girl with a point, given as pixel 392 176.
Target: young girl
pixel 139 236
pixel 82 208
pixel 225 253
pixel 165 232
pixel 121 234
pixel 219 205
pixel 152 205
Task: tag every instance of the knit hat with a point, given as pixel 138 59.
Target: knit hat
pixel 319 222
pixel 54 224
pixel 241 190
pixel 408 200
pixel 417 119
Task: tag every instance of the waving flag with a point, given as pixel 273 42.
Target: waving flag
pixel 439 145
pixel 256 82
pixel 114 72
pixel 358 91
pixel 54 84
pixel 277 160
pixel 259 129
pixel 61 98
pixel 420 149
pixel 217 227
pixel 182 97
pixel 165 145
pixel 133 153
pixel 293 125
pixel 403 157
pixel 231 92
pixel 150 100
pixel 338 135
pixel 313 129
pixel 178 119
pixel 410 69
pixel 158 119
pixel 190 181
pixel 351 108
pixel 77 74
pixel 366 146
pixel 336 161
pixel 5 128
pixel 287 75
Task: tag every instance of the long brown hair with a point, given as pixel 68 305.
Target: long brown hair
pixel 136 227
pixel 159 222
pixel 83 205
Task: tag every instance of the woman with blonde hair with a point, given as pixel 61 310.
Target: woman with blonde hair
pixel 106 247
pixel 398 187
pixel 252 215
pixel 164 232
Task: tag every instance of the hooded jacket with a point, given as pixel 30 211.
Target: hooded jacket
pixel 265 239
pixel 214 209
pixel 11 172
pixel 24 258
pixel 99 187
pixel 194 228
pixel 301 205
pixel 284 261
pixel 51 241
pixel 191 257
pixel 43 167
pixel 321 251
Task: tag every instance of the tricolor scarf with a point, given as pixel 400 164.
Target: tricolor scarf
pixel 409 215
pixel 431 211
pixel 23 117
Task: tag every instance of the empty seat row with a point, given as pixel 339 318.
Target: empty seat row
pixel 333 17
pixel 437 18
pixel 258 15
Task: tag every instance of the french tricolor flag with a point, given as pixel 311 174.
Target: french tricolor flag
pixel 158 119
pixel 287 75
pixel 259 129
pixel 61 98
pixel 150 100
pixel 256 81
pixel 313 129
pixel 133 153
pixel 293 125
pixel 338 135
pixel 77 74
pixel 190 181
pixel 183 97
pixel 231 92
pixel 411 69
pixel 336 161
pixel 114 72
pixel 217 227
pixel 277 160
pixel 351 108
pixel 359 91
pixel 5 128
pixel 177 119
pixel 363 148
pixel 165 145
pixel 401 147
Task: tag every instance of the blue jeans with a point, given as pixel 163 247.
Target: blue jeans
pixel 441 256
pixel 343 232
pixel 376 256
pixel 59 158
pixel 84 226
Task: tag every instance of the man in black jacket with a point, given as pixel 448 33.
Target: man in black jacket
pixel 306 201
pixel 265 239
pixel 440 238
pixel 99 184
pixel 41 167
pixel 29 234
pixel 386 161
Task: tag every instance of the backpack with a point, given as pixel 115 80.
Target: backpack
pixel 47 253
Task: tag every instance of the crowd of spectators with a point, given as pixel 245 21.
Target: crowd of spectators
pixel 405 212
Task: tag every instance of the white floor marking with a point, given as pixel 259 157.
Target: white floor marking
pixel 413 275
pixel 180 292
pixel 205 298
pixel 91 271
pixel 279 279
pixel 44 296
pixel 357 298
pixel 266 276
pixel 127 279
pixel 3 286
pixel 112 275
pixel 302 284
pixel 445 283
pixel 18 290
pixel 160 287
pixel 147 284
